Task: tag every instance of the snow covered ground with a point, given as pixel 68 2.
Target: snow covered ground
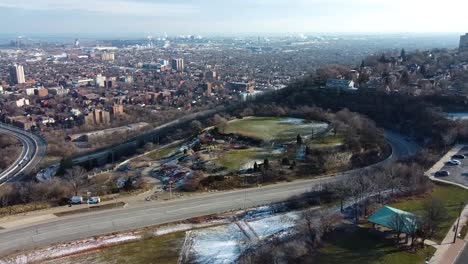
pixel 224 244
pixel 70 248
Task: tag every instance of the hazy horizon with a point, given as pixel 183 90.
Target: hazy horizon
pixel 210 17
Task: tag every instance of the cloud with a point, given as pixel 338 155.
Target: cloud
pixel 114 7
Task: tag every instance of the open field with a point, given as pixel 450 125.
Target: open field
pixel 235 160
pixel 451 196
pixel 327 141
pixel 273 129
pixel 361 245
pixel 158 250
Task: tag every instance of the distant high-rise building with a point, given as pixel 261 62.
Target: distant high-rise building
pixel 117 109
pixel 97 117
pixel 178 64
pixel 464 42
pixel 77 43
pixel 108 56
pixel 17 74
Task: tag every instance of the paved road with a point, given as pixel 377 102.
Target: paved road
pixel 152 213
pixel 463 257
pixel 33 151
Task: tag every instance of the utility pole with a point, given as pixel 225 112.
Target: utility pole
pixel 170 190
pixel 458 222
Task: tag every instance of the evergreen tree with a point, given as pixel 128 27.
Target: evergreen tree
pixel 299 139
pixel 255 168
pixel 266 164
pixel 403 54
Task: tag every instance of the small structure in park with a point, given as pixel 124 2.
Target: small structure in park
pixel 396 220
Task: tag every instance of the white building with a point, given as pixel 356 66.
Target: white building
pixel 58 90
pixel 100 81
pixel 108 56
pixel 21 102
pixel 30 91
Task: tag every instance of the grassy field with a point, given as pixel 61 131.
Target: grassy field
pixel 160 250
pixel 451 196
pixel 271 128
pixel 360 246
pixel 164 151
pixel 327 141
pixel 235 160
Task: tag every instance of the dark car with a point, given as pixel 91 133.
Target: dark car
pixel 458 156
pixel 442 174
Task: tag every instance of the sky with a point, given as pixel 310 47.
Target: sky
pixel 230 17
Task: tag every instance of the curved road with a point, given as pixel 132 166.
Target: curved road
pixel 145 214
pixel 33 151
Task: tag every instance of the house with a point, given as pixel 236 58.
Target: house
pixel 22 122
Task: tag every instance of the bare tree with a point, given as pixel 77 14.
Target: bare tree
pixel 397 224
pixel 220 123
pixel 76 178
pixel 434 214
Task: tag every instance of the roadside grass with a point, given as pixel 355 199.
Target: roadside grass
pixel 451 196
pixel 235 160
pixel 92 208
pixel 362 245
pixel 270 128
pixel 158 250
pixel 23 208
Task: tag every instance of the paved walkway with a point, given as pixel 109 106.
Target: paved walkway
pixel 447 251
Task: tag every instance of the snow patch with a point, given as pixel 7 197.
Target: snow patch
pixel 68 249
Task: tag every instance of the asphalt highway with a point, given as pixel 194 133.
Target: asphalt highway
pixel 33 151
pixel 75 227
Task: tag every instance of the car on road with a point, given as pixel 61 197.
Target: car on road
pixel 454 162
pixel 458 157
pixel 94 200
pixel 442 173
pixel 76 200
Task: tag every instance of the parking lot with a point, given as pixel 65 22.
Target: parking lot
pixel 458 173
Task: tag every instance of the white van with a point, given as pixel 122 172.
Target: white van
pixel 94 200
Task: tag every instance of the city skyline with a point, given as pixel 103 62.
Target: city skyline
pixel 136 17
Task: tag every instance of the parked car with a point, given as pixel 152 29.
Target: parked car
pixel 76 200
pixel 458 157
pixel 454 162
pixel 94 200
pixel 442 174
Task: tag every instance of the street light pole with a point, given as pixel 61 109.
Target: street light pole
pixel 170 190
pixel 458 223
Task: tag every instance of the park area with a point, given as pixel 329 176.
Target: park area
pixel 363 244
pixel 236 148
pixel 274 129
